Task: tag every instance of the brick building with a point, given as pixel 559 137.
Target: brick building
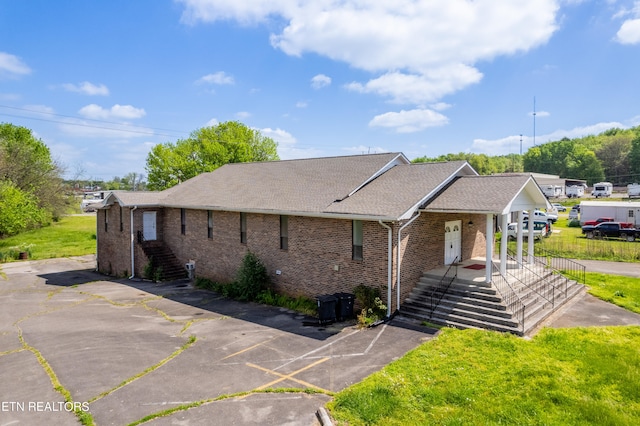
pixel 320 225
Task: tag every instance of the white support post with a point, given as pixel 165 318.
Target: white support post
pixel 504 219
pixel 531 238
pixel 488 248
pixel 519 238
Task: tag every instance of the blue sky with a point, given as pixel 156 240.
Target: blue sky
pixel 101 82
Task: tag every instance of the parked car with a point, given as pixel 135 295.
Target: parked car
pixel 540 229
pixel 611 230
pixel 574 213
pixel 539 215
pixel 559 207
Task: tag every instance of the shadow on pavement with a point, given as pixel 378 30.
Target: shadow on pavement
pixel 183 292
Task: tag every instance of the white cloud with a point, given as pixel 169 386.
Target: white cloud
pixel 117 111
pixel 629 32
pixel 220 78
pixel 243 115
pixel 87 88
pixel 511 144
pixel 409 121
pixel 287 145
pixel 12 66
pixel 212 122
pixel 417 51
pixel 420 88
pixel 540 114
pixel 85 129
pixel 319 81
pixel 302 104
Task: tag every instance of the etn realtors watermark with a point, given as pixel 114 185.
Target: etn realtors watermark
pixel 43 406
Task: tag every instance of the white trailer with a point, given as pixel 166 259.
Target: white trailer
pixel 575 191
pixel 552 191
pixel 602 189
pixel 633 190
pixel 620 211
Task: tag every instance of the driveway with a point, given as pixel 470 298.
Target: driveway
pixel 125 349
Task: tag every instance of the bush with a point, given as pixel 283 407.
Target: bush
pixel 252 278
pixel 373 309
pixel 574 223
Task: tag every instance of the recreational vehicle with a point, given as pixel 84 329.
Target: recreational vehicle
pixel 633 190
pixel 602 189
pixel 575 191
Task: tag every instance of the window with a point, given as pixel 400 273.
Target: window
pixel 183 221
pixel 357 240
pixel 121 223
pixel 209 224
pixel 106 220
pixel 243 228
pixel 284 232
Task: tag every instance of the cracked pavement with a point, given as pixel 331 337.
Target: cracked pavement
pixel 130 349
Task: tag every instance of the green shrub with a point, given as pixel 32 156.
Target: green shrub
pixel 373 309
pixel 574 223
pixel 252 278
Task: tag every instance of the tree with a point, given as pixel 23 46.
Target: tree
pixel 205 150
pixel 19 210
pixel 26 162
pixel 634 158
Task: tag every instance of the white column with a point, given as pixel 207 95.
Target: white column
pixel 531 238
pixel 504 219
pixel 519 238
pixel 488 248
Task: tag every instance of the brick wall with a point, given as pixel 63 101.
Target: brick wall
pixel 319 256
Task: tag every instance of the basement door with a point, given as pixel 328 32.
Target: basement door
pixel 452 241
pixel 149 226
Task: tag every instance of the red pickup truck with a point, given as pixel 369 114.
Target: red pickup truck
pixel 607 219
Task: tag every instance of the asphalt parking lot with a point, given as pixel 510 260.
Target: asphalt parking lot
pixel 126 349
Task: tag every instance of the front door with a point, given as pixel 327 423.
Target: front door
pixel 452 241
pixel 149 226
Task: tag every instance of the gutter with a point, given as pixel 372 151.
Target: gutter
pixel 389 264
pixel 398 262
pixel 133 259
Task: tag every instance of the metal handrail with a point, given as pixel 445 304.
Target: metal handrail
pixel 443 285
pixel 563 266
pixel 533 281
pixel 512 301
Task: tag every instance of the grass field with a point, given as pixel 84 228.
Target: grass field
pixel 71 236
pixel 580 376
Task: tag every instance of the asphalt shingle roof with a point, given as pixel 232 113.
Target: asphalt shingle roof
pixel 377 186
pixel 490 194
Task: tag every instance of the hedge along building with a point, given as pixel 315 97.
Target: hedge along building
pixel 321 225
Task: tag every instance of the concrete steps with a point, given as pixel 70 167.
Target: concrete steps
pixel 469 304
pixel 161 256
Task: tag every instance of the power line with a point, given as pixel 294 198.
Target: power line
pixel 128 128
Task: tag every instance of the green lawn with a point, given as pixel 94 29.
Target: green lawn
pixel 71 236
pixel 561 377
pixel 573 376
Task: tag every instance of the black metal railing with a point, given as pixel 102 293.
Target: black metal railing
pixel 514 304
pixel 536 280
pixel 438 291
pixel 567 267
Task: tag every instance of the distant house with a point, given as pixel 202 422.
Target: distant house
pixel 321 225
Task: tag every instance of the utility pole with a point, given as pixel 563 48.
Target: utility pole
pixel 534 120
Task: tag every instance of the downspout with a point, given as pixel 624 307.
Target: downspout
pixel 398 262
pixel 389 264
pixel 133 258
